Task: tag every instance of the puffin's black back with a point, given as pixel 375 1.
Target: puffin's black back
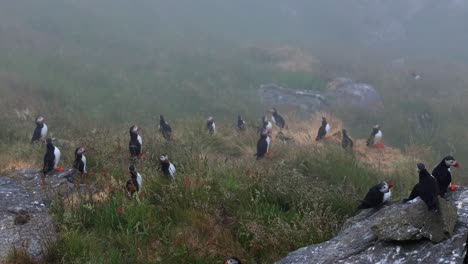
pixel 165 128
pixel 134 146
pixel 78 164
pixel 444 177
pixel 428 189
pixel 37 132
pixel 279 120
pixel 374 197
pixel 346 142
pixel 262 146
pixel 322 130
pixel 49 158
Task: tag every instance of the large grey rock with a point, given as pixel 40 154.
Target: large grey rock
pixel 24 220
pixel 414 222
pixel 340 93
pixel 357 242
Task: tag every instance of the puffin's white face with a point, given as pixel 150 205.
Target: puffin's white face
pixel 40 120
pixel 210 118
pixel 386 187
pixel 163 158
pixel 135 129
pixel 80 151
pixel 231 261
pixel 452 163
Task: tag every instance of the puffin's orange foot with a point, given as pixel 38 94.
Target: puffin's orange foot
pixel 59 168
pixel 269 154
pixel 380 145
pixel 453 187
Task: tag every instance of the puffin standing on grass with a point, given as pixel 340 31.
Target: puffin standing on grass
pixel 167 167
pixel 51 158
pixel 346 141
pixel 377 195
pixel 80 160
pixel 165 128
pixel 323 130
pixel 40 133
pixel 428 188
pixel 211 125
pixel 263 144
pixel 135 181
pixel 277 118
pixel 443 175
pixel 135 142
pixel 241 125
pixel 375 138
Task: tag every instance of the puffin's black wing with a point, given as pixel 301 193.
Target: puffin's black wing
pixel 48 162
pixel 373 198
pixel 280 121
pixel 321 133
pixel 37 134
pixel 262 147
pixel 79 165
pixel 443 176
pixel 135 148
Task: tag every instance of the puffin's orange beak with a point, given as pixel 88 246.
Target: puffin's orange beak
pixel 390 185
pixel 457 165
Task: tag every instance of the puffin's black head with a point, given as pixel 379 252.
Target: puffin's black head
pixel 345 133
pixel 233 260
pixel 134 129
pixel 385 187
pixel 164 158
pixel 264 132
pixel 273 110
pixel 420 167
pixel 376 129
pixel 80 151
pixel 239 117
pixel 132 168
pixel 161 117
pixel 451 162
pixel 49 140
pixel 40 120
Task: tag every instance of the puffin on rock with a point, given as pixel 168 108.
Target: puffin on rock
pixel 165 128
pixel 135 143
pixel 80 160
pixel 323 130
pixel 40 133
pixel 377 195
pixel 277 118
pixel 443 175
pixel 428 188
pixel 51 158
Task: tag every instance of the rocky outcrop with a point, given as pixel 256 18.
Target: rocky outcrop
pixel 340 93
pixel 364 239
pixel 24 220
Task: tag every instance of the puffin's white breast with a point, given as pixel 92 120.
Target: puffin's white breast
pixel 378 137
pixel 387 196
pixel 44 132
pixel 57 154
pixel 139 179
pixel 172 169
pixel 83 159
pixel 327 128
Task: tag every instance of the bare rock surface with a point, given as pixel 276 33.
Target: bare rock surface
pixel 362 239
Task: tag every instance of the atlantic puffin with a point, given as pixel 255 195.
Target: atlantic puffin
pixel 443 175
pixel 346 141
pixel 167 167
pixel 241 125
pixel 135 144
pixel 51 158
pixel 266 124
pixel 323 130
pixel 80 160
pixel 277 118
pixel 135 181
pixel 211 125
pixel 233 260
pixel 428 188
pixel 165 128
pixel 40 133
pixel 377 195
pixel 263 144
pixel 375 138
